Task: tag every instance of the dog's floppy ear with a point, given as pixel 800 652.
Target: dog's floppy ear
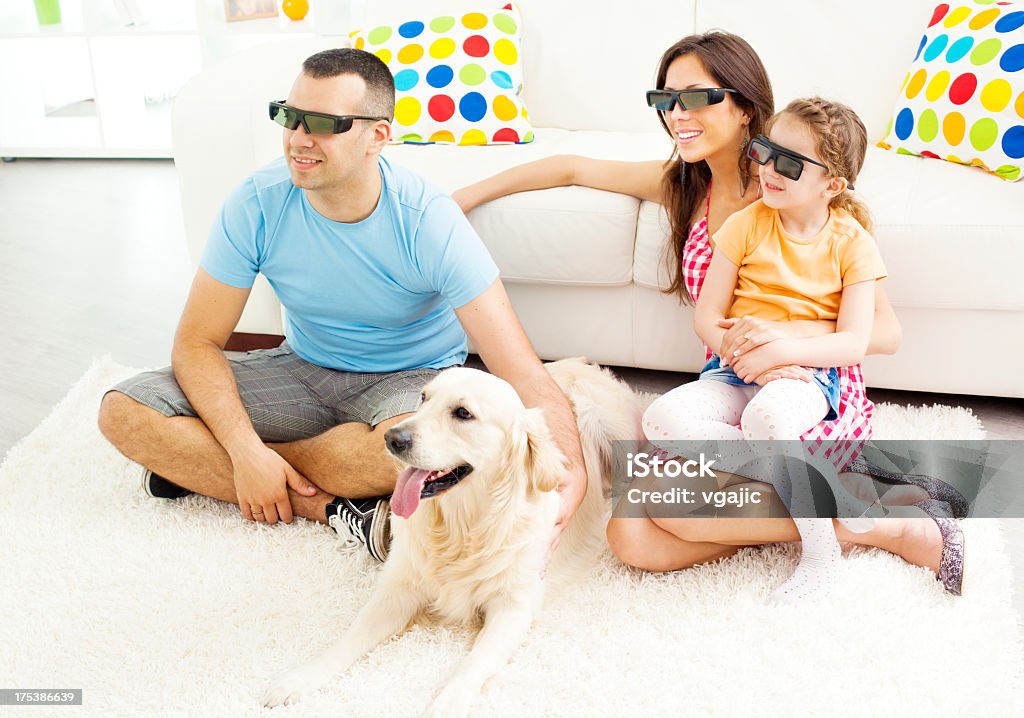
pixel 544 463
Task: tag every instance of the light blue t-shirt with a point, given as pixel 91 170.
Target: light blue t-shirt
pixel 370 296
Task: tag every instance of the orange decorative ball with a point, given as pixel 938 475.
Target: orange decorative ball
pixel 295 9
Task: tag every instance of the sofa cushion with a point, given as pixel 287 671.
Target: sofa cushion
pixel 950 235
pixel 957 100
pixel 568 235
pixel 458 73
pixel 651 263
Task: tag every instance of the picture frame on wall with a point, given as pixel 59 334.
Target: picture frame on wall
pixel 235 10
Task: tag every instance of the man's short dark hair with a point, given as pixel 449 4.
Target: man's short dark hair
pixel 380 84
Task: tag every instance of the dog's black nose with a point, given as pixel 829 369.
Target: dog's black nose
pixel 398 440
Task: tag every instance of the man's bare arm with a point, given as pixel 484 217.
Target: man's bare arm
pixel 202 370
pixel 492 324
pixel 199 364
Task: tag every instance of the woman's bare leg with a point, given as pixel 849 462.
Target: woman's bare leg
pixel 863 488
pixel 669 543
pixel 639 542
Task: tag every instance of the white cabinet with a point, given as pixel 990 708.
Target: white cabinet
pixel 97 86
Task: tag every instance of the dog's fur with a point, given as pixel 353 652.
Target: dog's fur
pixel 476 551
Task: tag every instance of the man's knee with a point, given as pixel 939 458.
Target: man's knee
pixel 121 418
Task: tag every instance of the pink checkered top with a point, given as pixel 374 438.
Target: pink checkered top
pixel 853 425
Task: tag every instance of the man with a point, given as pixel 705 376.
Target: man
pixel 376 270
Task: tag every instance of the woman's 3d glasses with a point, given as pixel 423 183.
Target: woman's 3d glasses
pixel 665 100
pixel 789 164
pixel 314 123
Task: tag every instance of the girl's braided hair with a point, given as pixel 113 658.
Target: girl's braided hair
pixel 840 140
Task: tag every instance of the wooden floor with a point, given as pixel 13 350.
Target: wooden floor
pixel 94 262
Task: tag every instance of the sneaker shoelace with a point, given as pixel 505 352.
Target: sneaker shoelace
pixel 347 526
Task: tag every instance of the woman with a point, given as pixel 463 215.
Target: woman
pixel 710 180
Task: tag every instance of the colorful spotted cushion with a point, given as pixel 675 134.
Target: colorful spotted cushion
pixel 963 98
pixel 458 76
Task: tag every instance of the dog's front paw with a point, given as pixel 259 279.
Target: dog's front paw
pixel 295 685
pixel 451 702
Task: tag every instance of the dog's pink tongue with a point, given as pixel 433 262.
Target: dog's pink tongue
pixel 407 491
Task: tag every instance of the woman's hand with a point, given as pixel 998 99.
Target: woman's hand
pixel 745 333
pixel 791 371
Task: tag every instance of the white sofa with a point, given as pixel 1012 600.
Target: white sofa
pixel 584 268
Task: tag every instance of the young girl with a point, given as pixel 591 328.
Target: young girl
pixel 802 252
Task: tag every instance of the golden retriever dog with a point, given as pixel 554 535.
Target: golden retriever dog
pixel 474 513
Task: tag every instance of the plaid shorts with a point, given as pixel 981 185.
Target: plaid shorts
pixel 287 398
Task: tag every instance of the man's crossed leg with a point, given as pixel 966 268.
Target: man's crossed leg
pixel 325 426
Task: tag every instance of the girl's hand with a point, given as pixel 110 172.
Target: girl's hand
pixel 746 333
pixel 757 361
pixel 791 371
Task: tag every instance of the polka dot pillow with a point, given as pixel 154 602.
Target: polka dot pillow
pixel 963 98
pixel 458 76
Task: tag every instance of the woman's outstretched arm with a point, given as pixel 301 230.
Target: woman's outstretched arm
pixel 638 179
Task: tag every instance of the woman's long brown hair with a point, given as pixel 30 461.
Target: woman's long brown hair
pixel 732 63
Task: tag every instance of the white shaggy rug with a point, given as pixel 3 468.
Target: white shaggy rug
pixel 180 608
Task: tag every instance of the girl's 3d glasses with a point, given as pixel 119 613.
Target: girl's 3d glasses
pixel 789 164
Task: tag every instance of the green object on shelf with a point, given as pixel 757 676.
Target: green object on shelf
pixel 48 12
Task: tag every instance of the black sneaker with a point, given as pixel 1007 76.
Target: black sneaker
pixel 160 488
pixel 362 522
